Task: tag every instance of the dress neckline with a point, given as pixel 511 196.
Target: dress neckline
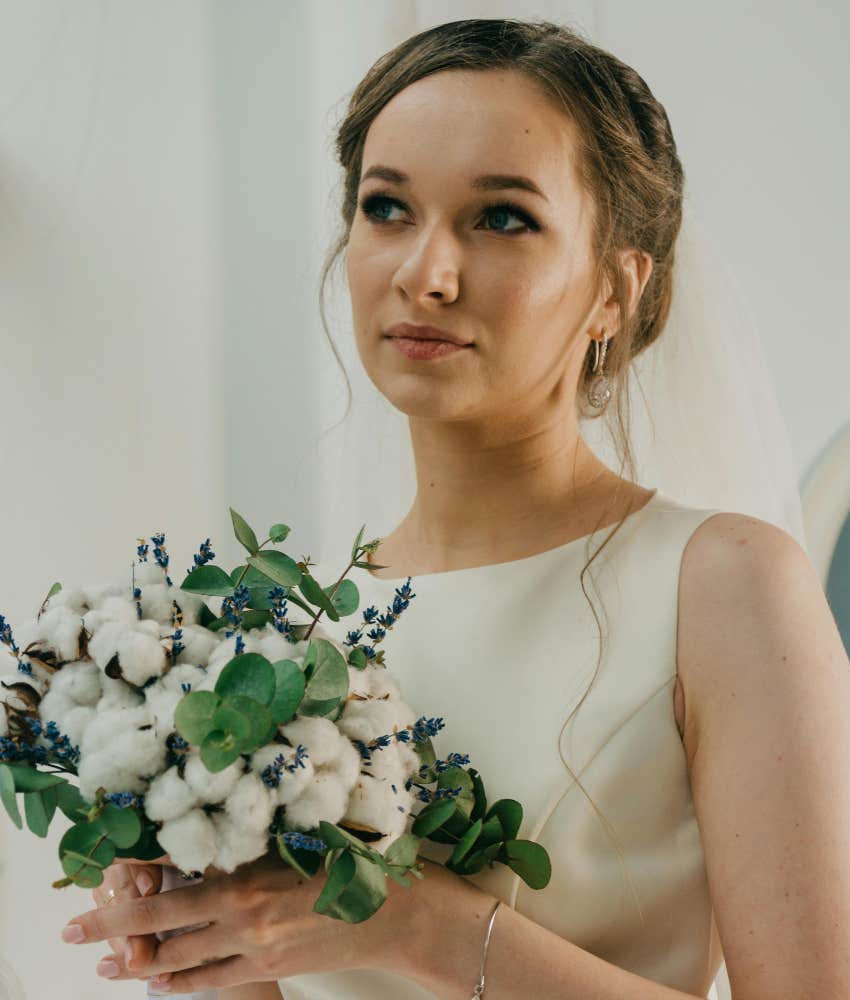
pixel 564 546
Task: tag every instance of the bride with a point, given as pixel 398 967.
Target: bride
pixel 515 192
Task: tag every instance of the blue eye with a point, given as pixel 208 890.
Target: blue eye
pixel 370 205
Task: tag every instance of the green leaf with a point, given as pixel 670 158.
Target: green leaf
pixel 355 895
pixel 509 812
pixel 209 580
pixel 244 532
pixel 278 533
pixel 84 853
pixel 194 714
pixel 492 832
pixel 248 674
pixel 218 751
pixel 530 861
pixel 357 658
pixel 246 719
pixel 7 795
pixel 327 681
pixel 403 850
pixel 122 826
pixel 147 848
pixel 71 802
pixel 35 810
pixel 357 542
pixel 290 685
pixel 432 817
pixel 306 862
pixel 480 807
pixel 278 566
pixel 464 845
pixel 317 595
pixel 54 589
pixel 28 779
pixel 346 600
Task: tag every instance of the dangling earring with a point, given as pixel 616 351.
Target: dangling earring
pixel 599 390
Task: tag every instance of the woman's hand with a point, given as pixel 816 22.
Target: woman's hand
pixel 129 878
pixel 262 927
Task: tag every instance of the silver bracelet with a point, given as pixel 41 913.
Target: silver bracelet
pixel 479 989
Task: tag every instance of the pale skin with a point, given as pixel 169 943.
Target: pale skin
pixel 502 473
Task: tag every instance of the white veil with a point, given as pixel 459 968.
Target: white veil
pixel 706 428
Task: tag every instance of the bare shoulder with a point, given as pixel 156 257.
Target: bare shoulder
pixel 726 565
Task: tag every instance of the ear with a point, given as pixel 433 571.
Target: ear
pixel 637 267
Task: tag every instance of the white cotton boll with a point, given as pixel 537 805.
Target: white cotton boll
pixel 75 722
pixel 347 764
pixel 118 746
pixel 364 720
pixel 100 769
pixel 141 657
pixel 199 644
pixel 291 782
pixel 190 604
pixel 112 609
pixel 250 803
pixel 321 738
pixel 169 797
pixel 325 798
pixel 374 806
pixel 274 646
pixel 236 845
pixel 211 787
pixel 214 603
pixel 79 681
pixel 117 693
pixel 384 685
pixel 61 628
pixel 148 573
pixel 385 763
pixel 190 840
pixel 359 683
pixel 74 598
pixel 156 601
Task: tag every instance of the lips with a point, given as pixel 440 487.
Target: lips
pixel 414 331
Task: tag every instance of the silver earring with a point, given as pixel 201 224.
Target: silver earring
pixel 599 391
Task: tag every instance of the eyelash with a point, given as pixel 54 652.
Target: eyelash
pixel 367 206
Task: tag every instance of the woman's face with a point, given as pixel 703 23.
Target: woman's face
pixel 515 283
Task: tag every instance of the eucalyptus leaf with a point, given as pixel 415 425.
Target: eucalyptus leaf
pixel 28 779
pixel 355 898
pixel 280 567
pixel 194 714
pixel 290 685
pixel 35 810
pixel 278 533
pixel 346 599
pixel 7 795
pixel 530 861
pixel 244 532
pixel 218 751
pixel 432 817
pixel 209 580
pixel 509 812
pixel 259 721
pixel 122 825
pixel 71 802
pixel 304 861
pixel 85 851
pixel 248 674
pixel 464 845
pixel 317 595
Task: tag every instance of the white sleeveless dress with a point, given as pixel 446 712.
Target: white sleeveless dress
pixel 503 653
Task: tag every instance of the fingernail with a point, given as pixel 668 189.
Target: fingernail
pixel 108 969
pixel 73 933
pixel 144 883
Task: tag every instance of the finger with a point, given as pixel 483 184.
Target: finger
pixel 233 971
pixel 202 946
pixel 165 911
pixel 148 878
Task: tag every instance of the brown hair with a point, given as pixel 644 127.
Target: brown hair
pixel 627 163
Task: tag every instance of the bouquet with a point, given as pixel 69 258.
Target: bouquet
pixel 201 722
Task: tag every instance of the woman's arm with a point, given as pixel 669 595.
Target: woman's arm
pixel 767 734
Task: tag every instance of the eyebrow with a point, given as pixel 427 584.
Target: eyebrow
pixel 484 182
